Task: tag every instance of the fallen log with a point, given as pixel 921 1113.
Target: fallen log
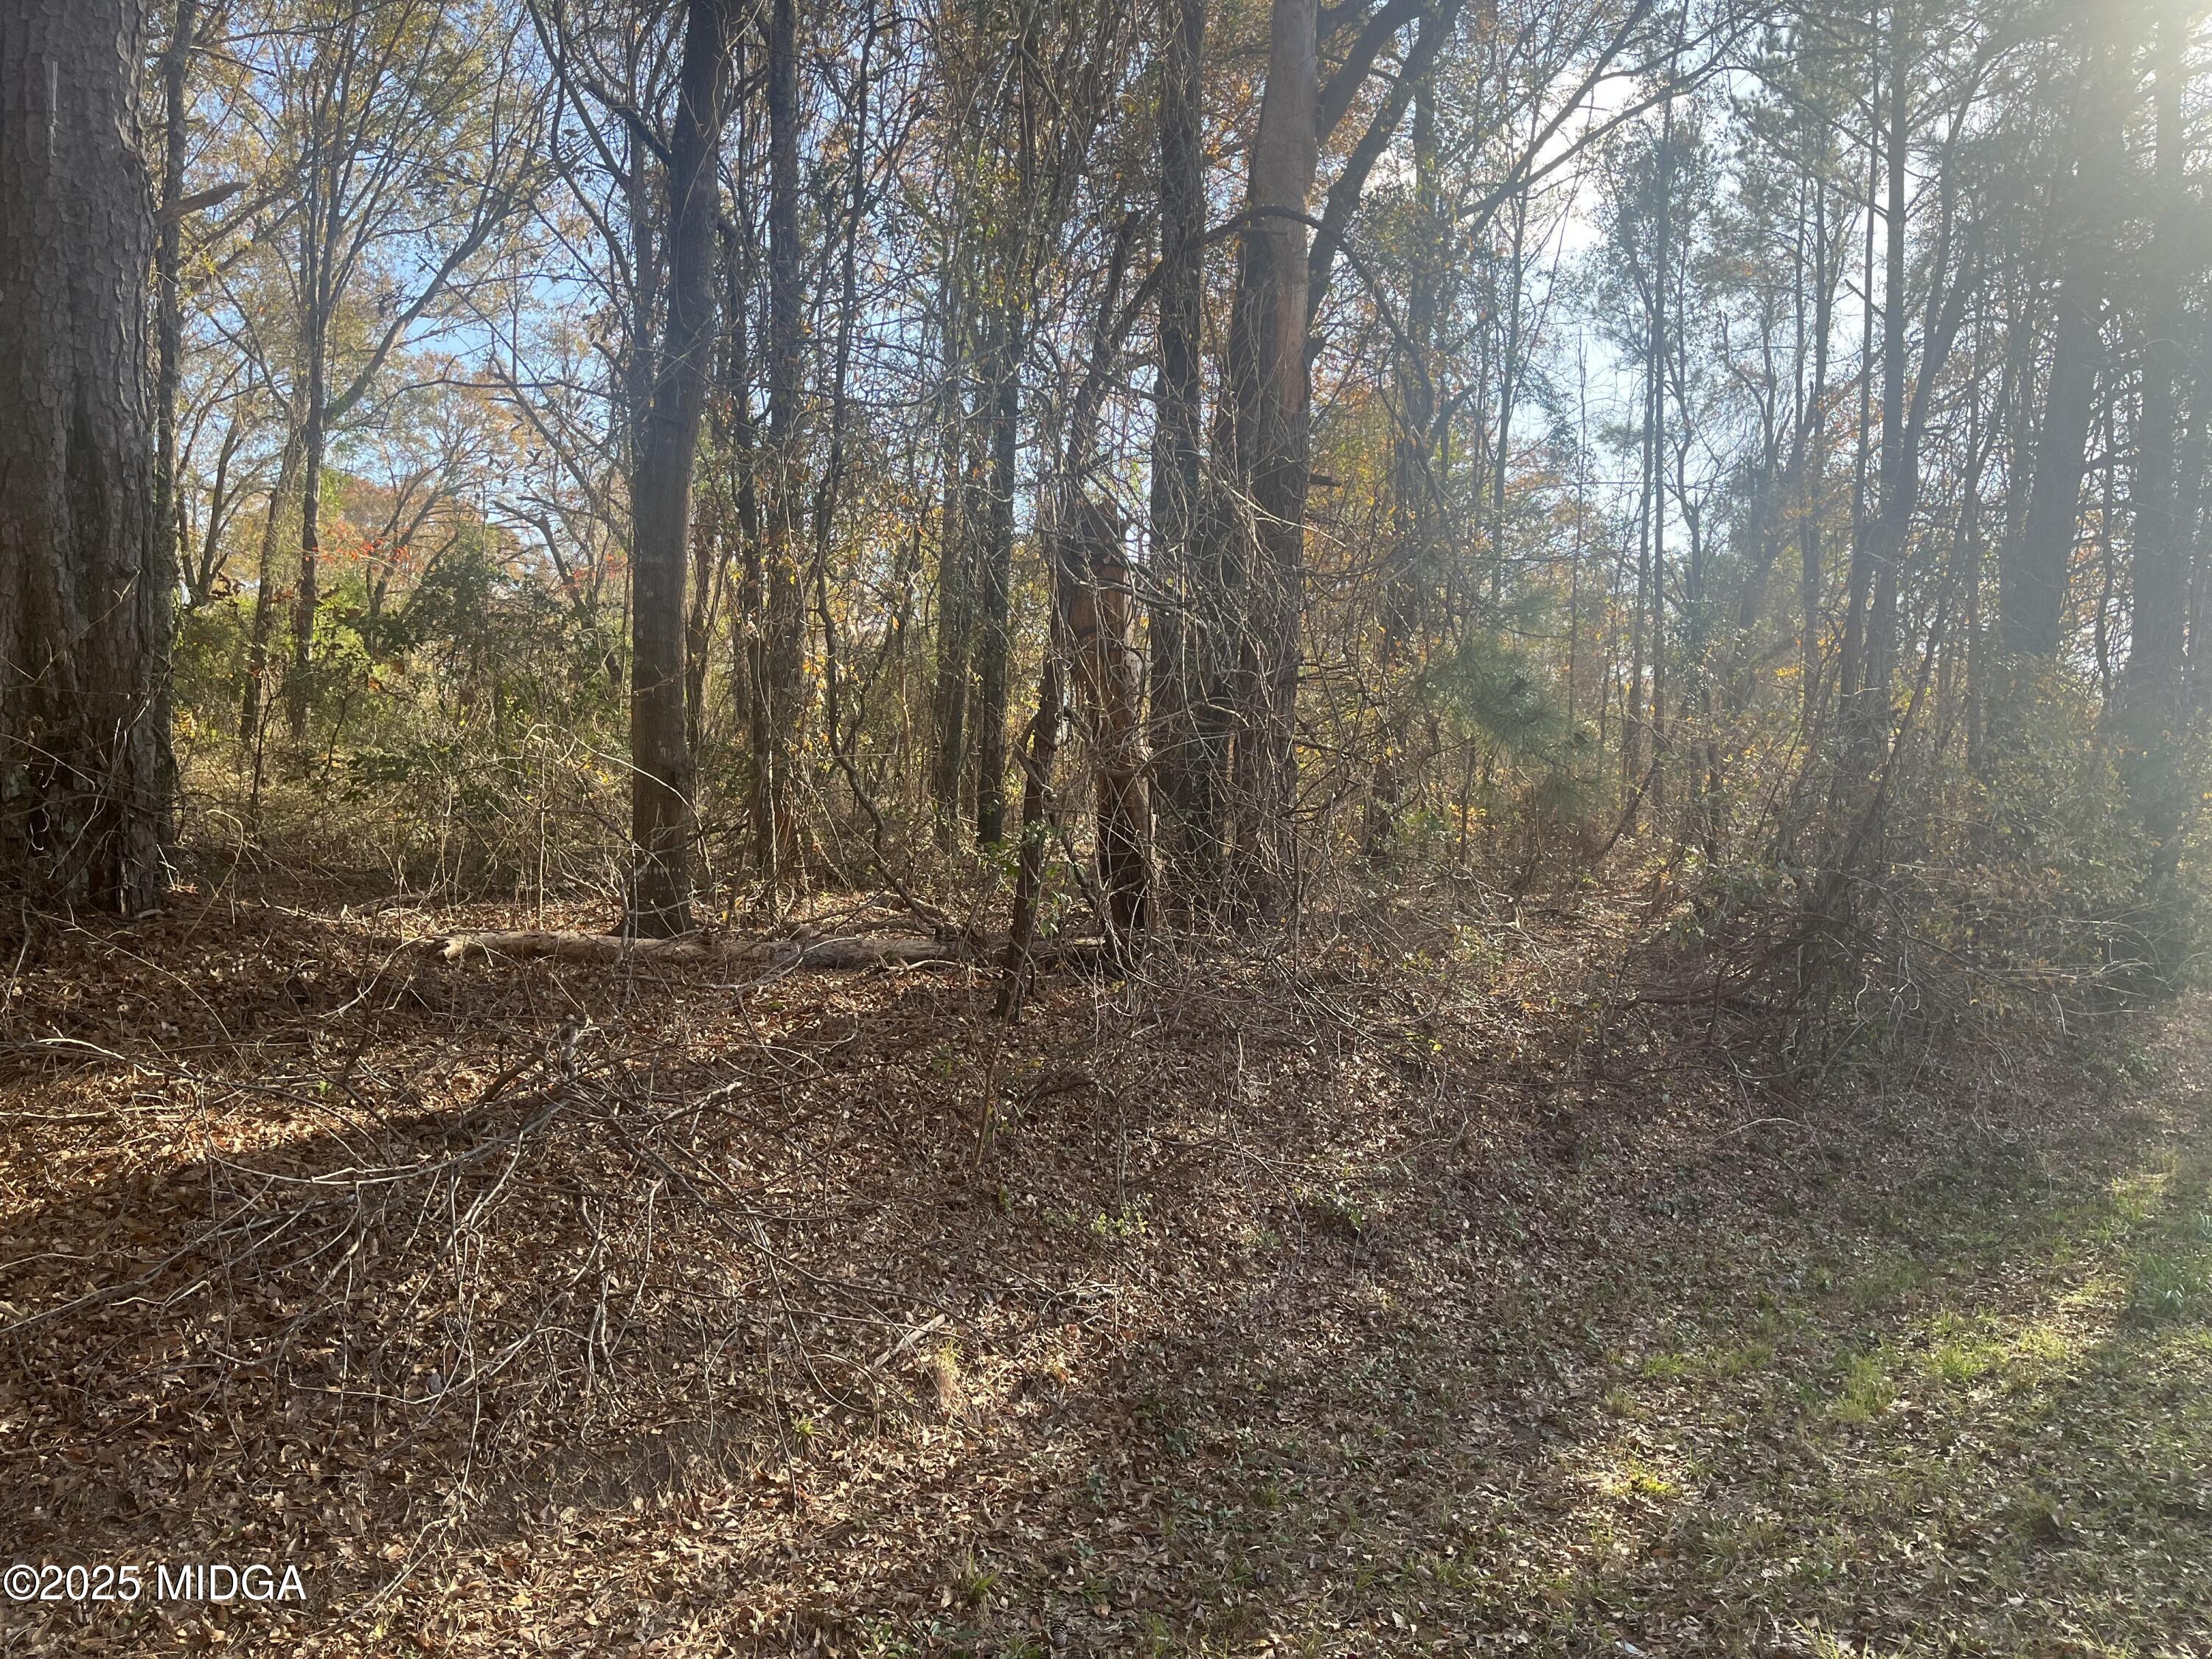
pixel 696 950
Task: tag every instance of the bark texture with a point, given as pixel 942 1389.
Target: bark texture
pixel 1269 427
pixel 1091 588
pixel 660 493
pixel 85 601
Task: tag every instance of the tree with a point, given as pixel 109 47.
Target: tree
pixel 1263 424
pixel 86 578
pixel 2034 575
pixel 1266 401
pixel 2157 639
pixel 1190 635
pixel 661 777
pixel 776 823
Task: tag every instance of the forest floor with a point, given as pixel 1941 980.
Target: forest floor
pixel 1412 1288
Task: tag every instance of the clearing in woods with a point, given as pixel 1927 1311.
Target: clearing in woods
pixel 1421 1292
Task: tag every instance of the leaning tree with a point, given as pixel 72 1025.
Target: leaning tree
pixel 85 591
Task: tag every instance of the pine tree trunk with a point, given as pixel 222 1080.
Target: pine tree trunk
pixel 86 594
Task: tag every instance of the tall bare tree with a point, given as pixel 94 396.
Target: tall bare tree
pixel 662 769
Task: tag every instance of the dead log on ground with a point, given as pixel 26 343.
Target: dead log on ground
pixel 695 949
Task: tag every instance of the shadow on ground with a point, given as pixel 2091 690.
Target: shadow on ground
pixel 548 1309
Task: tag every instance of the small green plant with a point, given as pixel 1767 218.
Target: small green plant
pixel 1867 1391
pixel 1959 1361
pixel 972 1579
pixel 2164 1289
pixel 1334 1211
pixel 2135 1061
pixel 1889 1278
pixel 1641 1479
pixel 1739 1359
pixel 1121 1226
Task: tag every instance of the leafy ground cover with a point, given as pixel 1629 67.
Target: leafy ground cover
pixel 1418 1290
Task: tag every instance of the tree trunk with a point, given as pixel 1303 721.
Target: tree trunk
pixel 168 512
pixel 254 703
pixel 661 491
pixel 740 440
pixel 1812 468
pixel 2031 579
pixel 305 596
pixel 1869 698
pixel 1645 716
pixel 777 825
pixel 1190 727
pixel 1410 568
pixel 85 597
pixel 1509 367
pixel 994 569
pixel 1858 571
pixel 2157 634
pixel 2032 582
pixel 1091 587
pixel 955 608
pixel 2194 461
pixel 1633 699
pixel 1029 873
pixel 1269 423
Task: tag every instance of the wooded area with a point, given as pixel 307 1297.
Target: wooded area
pixel 790 763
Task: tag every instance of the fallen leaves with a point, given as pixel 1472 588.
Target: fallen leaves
pixel 541 1313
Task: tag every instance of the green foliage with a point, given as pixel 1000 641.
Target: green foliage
pixel 207 666
pixel 457 728
pixel 1498 697
pixel 1493 688
pixel 2051 883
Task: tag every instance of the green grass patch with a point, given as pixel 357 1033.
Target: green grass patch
pixel 1866 1391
